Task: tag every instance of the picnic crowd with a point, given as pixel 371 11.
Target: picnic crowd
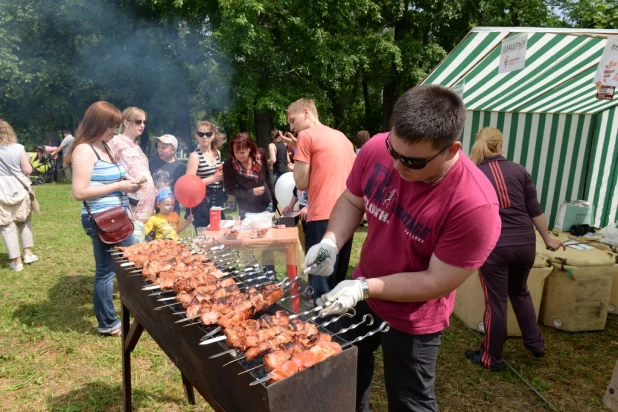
pixel 434 215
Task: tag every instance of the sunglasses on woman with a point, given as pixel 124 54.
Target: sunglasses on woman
pixel 139 122
pixel 204 134
pixel 415 163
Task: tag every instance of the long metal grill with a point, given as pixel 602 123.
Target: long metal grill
pixel 222 374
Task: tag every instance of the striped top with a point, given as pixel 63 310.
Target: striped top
pixel 205 170
pixel 105 173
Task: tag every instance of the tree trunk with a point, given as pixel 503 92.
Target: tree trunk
pixel 367 102
pixel 184 118
pixel 263 126
pixel 389 97
pixel 338 111
pixel 390 91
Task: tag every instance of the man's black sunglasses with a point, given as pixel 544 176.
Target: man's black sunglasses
pixel 205 134
pixel 411 162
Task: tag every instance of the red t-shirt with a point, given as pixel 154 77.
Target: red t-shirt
pixel 456 219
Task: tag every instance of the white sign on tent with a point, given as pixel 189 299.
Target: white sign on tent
pixel 607 72
pixel 513 53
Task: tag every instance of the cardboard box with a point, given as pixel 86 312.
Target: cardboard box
pixel 289 221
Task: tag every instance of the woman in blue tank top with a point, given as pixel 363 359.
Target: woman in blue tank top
pixel 101 183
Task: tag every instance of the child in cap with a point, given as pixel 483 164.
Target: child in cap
pixel 164 168
pixel 166 223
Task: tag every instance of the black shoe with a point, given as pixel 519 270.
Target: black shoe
pixel 539 354
pixel 475 356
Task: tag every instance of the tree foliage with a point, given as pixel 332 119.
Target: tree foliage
pixel 239 62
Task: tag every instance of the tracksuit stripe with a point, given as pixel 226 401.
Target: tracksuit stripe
pixel 486 358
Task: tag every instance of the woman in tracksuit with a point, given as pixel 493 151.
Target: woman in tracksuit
pixel 505 272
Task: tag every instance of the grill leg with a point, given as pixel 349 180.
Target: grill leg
pixel 126 361
pixel 189 394
pixel 130 337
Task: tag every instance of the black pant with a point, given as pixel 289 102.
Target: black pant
pixel 55 170
pixel 322 284
pixel 505 273
pixel 409 365
pixel 201 212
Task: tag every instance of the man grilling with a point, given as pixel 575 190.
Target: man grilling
pixel 433 219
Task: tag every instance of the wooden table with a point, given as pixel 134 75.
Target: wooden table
pixel 283 240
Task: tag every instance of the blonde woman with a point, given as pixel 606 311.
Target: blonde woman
pixel 505 272
pixel 127 151
pixel 15 205
pixel 101 183
pixel 206 163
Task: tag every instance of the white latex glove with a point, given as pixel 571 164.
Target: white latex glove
pixel 326 248
pixel 339 300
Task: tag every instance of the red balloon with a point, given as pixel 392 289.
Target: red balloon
pixel 190 190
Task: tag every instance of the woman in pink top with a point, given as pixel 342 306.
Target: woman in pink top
pixel 127 152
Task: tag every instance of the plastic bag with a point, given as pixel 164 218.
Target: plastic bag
pixel 610 234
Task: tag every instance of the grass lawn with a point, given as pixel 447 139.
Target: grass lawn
pixel 51 357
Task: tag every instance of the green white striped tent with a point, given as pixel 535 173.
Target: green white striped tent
pixel 548 112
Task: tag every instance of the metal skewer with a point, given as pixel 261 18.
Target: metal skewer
pixel 366 318
pixel 211 333
pixel 232 352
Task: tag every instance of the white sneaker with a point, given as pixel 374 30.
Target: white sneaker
pixel 17 267
pixel 30 258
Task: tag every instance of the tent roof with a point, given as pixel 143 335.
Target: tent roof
pixel 558 77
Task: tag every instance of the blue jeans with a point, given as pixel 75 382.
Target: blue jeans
pixel 103 278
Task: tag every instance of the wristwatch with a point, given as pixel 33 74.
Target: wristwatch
pixel 365 287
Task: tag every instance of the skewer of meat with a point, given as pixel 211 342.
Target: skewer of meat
pixel 256 296
pixel 366 320
pixel 243 306
pixel 284 364
pixel 187 289
pixel 257 341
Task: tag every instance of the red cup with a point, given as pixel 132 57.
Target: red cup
pixel 215 218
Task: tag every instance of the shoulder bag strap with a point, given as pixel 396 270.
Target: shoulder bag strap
pixel 111 157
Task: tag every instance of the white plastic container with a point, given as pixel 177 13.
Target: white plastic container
pixel 262 220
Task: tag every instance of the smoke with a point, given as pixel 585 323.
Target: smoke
pixel 126 54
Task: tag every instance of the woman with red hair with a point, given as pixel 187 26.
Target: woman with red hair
pixel 247 177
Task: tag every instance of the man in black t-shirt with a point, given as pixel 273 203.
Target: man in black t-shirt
pixel 165 169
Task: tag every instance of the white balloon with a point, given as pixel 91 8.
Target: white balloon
pixel 283 189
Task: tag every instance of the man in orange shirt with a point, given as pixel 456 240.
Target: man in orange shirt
pixel 322 163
